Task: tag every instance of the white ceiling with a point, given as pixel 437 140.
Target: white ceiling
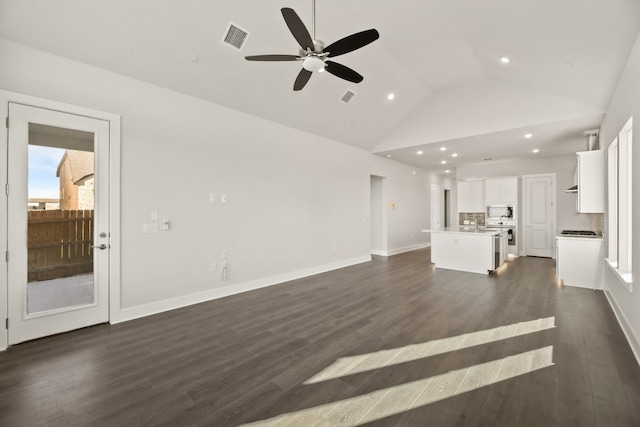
pixel 440 58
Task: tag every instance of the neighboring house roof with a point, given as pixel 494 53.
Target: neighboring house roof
pixel 80 164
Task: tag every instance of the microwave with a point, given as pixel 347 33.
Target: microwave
pixel 500 211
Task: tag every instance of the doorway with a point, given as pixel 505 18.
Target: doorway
pixel 378 217
pixel 539 215
pixel 447 208
pixel 59 221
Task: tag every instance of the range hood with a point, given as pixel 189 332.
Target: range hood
pixel 592 144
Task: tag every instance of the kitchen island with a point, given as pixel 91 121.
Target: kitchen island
pixel 475 250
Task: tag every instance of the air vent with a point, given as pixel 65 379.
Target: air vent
pixel 235 36
pixel 347 97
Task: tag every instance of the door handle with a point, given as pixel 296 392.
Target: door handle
pixel 101 247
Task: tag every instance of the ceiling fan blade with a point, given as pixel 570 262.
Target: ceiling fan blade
pixel 343 72
pixel 297 28
pixel 302 79
pixel 272 58
pixel 352 42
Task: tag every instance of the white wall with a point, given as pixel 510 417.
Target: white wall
pixel 410 195
pixel 562 166
pixel 298 203
pixel 625 103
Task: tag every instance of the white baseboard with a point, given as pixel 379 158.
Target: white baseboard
pixel 408 249
pixel 171 304
pixel 400 250
pixel 632 338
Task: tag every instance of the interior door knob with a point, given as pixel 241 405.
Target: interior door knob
pixel 101 247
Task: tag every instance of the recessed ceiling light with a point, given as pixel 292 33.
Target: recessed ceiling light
pixel 388 156
pixel 528 135
pixel 443 148
pixel 419 152
pixel 504 60
pixel 444 162
pixel 535 150
pixel 447 171
pixel 195 57
pixel 454 155
pixel 391 96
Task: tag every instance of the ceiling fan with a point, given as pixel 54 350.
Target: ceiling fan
pixel 313 53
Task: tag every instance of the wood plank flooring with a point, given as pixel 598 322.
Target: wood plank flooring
pixel 393 342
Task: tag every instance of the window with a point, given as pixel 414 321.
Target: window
pixel 619 203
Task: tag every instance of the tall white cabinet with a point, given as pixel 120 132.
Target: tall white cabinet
pixel 501 191
pixel 590 179
pixel 471 196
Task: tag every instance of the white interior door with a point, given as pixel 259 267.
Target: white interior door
pixel 58 256
pixel 436 223
pixel 538 215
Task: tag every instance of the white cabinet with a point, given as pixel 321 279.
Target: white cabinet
pixel 590 180
pixel 580 261
pixel 501 191
pixel 471 196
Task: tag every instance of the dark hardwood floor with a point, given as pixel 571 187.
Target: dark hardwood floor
pixel 391 342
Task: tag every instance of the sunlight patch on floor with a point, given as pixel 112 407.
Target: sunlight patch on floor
pixel 383 358
pixel 394 400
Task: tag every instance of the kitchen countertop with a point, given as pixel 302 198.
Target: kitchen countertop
pixel 468 230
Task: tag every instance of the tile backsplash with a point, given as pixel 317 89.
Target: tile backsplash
pixel 476 217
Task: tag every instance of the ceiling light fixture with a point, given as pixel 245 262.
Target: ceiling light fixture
pixel 447 171
pixel 419 153
pixel 504 60
pixel 443 148
pixel 528 135
pixel 535 150
pixel 391 96
pixel 388 156
pixel 454 155
pixel 444 162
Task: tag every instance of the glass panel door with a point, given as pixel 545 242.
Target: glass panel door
pixel 58 215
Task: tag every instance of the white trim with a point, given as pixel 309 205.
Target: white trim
pixel 625 278
pixel 380 253
pixel 632 338
pixel 114 164
pixel 126 314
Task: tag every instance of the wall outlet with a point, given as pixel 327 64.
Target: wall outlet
pixel 212 198
pixel 223 198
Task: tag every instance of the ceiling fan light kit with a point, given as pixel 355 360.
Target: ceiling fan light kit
pixel 314 54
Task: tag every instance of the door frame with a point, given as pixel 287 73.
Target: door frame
pixel 114 197
pixel 436 206
pixel 522 234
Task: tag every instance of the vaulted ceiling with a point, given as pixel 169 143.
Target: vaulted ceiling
pixel 441 59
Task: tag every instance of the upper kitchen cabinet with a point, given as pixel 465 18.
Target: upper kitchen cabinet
pixel 590 180
pixel 471 196
pixel 501 191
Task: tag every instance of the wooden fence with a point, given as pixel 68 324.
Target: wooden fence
pixel 59 244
